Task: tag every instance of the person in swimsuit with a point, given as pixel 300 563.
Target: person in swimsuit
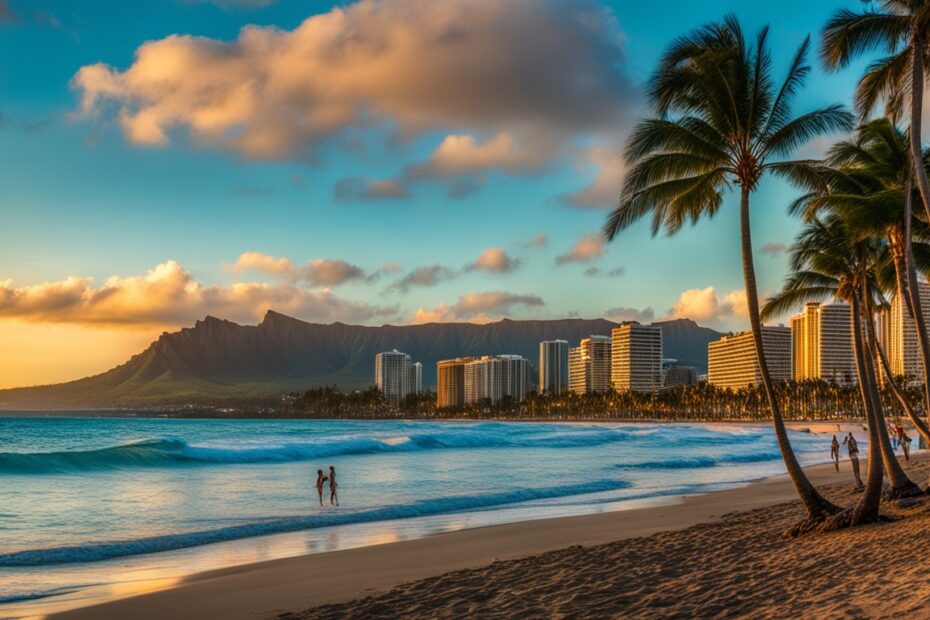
pixel 320 479
pixel 835 453
pixel 853 449
pixel 333 498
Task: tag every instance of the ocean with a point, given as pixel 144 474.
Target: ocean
pixel 91 506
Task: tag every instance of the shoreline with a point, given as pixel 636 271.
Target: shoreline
pixel 292 584
pixel 162 415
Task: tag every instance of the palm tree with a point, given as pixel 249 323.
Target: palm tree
pixel 722 121
pixel 902 30
pixel 828 260
pixel 867 178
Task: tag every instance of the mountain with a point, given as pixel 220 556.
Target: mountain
pixel 219 361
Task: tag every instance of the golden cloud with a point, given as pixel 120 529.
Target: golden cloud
pixel 168 295
pixel 521 66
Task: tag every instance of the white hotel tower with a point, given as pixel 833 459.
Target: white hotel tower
pixel 553 366
pixel 732 363
pixel 396 376
pixel 589 365
pixel 636 357
pixel 492 378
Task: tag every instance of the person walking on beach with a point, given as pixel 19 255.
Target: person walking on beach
pixel 835 453
pixel 853 449
pixel 320 479
pixel 904 441
pixel 333 498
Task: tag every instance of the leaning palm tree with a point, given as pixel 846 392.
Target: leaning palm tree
pixel 722 121
pixel 868 178
pixel 828 260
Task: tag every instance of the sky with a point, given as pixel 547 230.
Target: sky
pixel 373 162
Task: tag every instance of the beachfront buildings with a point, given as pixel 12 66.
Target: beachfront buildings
pixel 676 375
pixel 636 357
pixel 732 363
pixel 450 382
pixel 898 334
pixel 589 365
pixel 553 366
pixel 493 378
pixel 396 376
pixel 821 344
pixel 415 378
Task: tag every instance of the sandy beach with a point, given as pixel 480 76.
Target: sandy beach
pixel 706 555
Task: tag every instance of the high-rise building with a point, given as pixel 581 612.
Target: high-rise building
pixel 732 363
pixel 798 350
pixel 450 382
pixel 415 378
pixel 589 365
pixel 392 375
pixel 679 375
pixel 492 378
pixel 636 357
pixel 900 337
pixel 821 344
pixel 553 366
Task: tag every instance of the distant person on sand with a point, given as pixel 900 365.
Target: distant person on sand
pixel 835 453
pixel 904 441
pixel 853 449
pixel 333 498
pixel 320 479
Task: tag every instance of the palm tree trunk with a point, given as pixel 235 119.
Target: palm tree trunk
pixel 866 510
pixel 904 296
pixel 818 507
pixel 915 306
pixel 901 485
pixel 919 424
pixel 917 102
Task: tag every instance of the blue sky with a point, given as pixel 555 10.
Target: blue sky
pixel 88 197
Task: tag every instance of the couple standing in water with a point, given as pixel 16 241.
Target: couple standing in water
pixel 853 449
pixel 321 478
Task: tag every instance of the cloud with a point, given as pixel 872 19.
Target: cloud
pixel 587 249
pixel 429 275
pixel 705 306
pixel 494 260
pixel 773 249
pixel 318 272
pixel 461 161
pixel 593 272
pixel 413 67
pixel 603 191
pixel 621 314
pixel 257 261
pixel 354 189
pixel 169 295
pixel 479 307
pixel 539 241
pixel 464 155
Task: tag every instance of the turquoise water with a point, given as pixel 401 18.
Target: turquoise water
pixel 81 497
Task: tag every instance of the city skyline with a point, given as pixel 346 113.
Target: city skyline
pixel 161 211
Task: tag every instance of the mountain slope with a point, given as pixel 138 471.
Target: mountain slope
pixel 219 361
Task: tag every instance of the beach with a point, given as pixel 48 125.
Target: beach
pixel 720 553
